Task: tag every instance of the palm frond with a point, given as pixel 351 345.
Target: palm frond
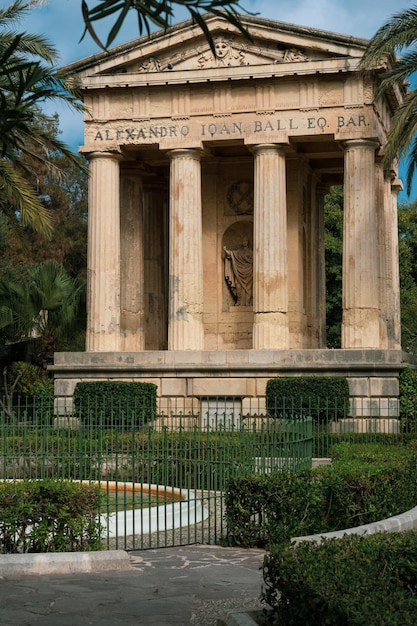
pixel 403 126
pixel 15 190
pixel 397 33
pixel 159 13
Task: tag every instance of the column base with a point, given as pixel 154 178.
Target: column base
pixel 270 331
pixel 360 329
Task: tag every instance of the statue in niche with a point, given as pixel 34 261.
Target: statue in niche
pixel 238 273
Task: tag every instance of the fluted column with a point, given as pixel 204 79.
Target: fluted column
pixel 131 264
pixel 383 217
pixel 156 263
pixel 319 245
pixel 360 325
pixel 103 271
pixel 395 340
pixel 270 284
pixel 185 320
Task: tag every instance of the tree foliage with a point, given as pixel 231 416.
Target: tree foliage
pixel 407 248
pixel 66 200
pixel 158 13
pixel 398 35
pixel 333 239
pixel 28 79
pixel 43 307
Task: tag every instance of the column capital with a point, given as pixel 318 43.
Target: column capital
pixel 371 143
pixel 107 154
pixel 269 148
pixel 185 153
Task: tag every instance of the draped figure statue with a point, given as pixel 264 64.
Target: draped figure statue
pixel 238 273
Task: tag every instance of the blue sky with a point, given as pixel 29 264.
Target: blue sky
pixel 61 22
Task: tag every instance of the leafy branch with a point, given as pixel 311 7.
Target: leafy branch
pixel 159 13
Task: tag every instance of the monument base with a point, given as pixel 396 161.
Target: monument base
pixel 235 380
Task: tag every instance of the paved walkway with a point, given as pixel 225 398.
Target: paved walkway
pixel 187 585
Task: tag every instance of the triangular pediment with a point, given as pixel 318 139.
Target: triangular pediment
pixel 231 51
pixel 184 48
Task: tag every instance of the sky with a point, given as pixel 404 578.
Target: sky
pixel 61 22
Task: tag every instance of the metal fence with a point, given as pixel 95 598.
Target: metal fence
pixel 168 476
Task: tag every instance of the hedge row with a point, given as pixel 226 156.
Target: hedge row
pixel 365 483
pixel 115 404
pixel 353 580
pixel 324 398
pixel 49 516
pixel 192 459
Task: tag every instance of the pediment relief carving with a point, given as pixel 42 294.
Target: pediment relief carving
pixel 230 52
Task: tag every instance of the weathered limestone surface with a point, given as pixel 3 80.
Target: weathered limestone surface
pixel 270 328
pixel 185 324
pixel 103 300
pixel 206 270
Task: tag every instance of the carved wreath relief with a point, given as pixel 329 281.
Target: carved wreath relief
pixel 240 198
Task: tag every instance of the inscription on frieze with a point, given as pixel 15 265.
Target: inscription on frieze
pixel 213 128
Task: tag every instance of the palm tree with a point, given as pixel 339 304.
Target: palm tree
pixel 398 34
pixel 27 80
pixel 159 13
pixel 45 306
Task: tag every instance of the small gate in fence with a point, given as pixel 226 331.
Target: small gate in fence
pixel 164 482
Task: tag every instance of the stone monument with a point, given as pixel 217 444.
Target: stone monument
pixel 194 155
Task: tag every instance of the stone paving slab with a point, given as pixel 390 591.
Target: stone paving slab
pixel 196 585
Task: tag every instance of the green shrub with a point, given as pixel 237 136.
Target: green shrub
pixel 33 396
pixel 270 509
pixel 323 441
pixel 364 484
pixel 49 516
pixel 114 404
pixel 367 482
pixel 357 579
pixel 28 375
pixel 322 398
pixel 408 399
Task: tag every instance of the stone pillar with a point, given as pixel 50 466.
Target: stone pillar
pixel 156 263
pixel 383 215
pixel 360 325
pixel 395 340
pixel 103 265
pixel 131 264
pixel 185 318
pixel 319 252
pixel 270 283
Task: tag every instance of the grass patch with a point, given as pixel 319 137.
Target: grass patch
pixel 128 501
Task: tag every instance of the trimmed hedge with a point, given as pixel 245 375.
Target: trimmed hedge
pixel 49 516
pixel 365 483
pixel 408 400
pixel 269 509
pixel 357 579
pixel 320 397
pixel 115 404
